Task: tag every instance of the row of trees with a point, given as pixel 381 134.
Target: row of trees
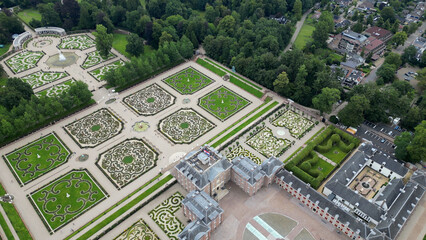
pixel 21 111
pixel 9 25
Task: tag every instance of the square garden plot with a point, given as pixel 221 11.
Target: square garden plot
pixel 127 161
pixel 164 215
pixel 139 230
pixel 99 73
pixel 185 126
pixel 24 61
pixel 188 81
pixel 150 100
pixel 37 158
pixel 95 128
pixel 94 58
pixel 64 199
pixel 223 103
pixel 80 42
pixel 296 124
pixel 267 144
pixel 42 78
pixel 56 90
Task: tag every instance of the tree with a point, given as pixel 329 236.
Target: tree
pixel 409 55
pixel 353 113
pixel 327 18
pixel 423 60
pixel 387 13
pixel 399 38
pixel 227 25
pixel 320 35
pixel 281 83
pixel 325 100
pixel 297 9
pixel 370 19
pixel 386 72
pixel 417 147
pixel 103 40
pixel 185 47
pixel 412 118
pixel 358 27
pixel 134 45
pixel 421 77
pixel 49 16
pixel 165 37
pixel 401 142
pixel 393 59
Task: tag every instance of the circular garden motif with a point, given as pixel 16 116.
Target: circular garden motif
pixel 67 197
pixel 23 61
pixel 188 81
pixel 184 126
pixel 141 126
pixel 42 43
pixel 41 78
pixel 223 103
pixel 37 158
pixel 138 231
pixel 80 42
pixel 95 128
pixel 150 100
pixel 127 161
pixel 164 215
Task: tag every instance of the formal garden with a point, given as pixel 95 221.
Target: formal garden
pixel 23 61
pixel 80 42
pixel 64 199
pixel 37 158
pixel 267 144
pixel 240 151
pixel 296 124
pixel 150 100
pixel 310 167
pixel 95 128
pixel 223 103
pixel 188 81
pixel 99 73
pixel 94 58
pixel 185 126
pixel 138 231
pixel 57 90
pixel 164 215
pixel 126 161
pixel 41 78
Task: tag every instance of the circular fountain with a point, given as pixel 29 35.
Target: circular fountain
pixel 62 59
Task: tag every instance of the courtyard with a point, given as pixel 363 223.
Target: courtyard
pixel 368 183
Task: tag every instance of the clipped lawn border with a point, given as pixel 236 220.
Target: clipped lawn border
pixel 110 179
pixel 136 111
pixel 193 69
pixel 40 214
pixel 78 143
pixel 229 90
pixel 15 218
pixel 126 207
pixel 16 174
pixel 159 123
pixel 243 125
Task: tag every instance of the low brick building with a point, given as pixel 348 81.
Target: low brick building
pixel 379 33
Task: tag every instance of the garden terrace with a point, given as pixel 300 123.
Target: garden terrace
pixel 57 90
pixel 80 42
pixel 296 124
pixel 24 61
pixel 308 166
pixel 41 78
pixel 188 81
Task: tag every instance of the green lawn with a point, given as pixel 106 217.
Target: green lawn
pixel 243 125
pixel 38 158
pixel 188 81
pixel 335 154
pixel 305 33
pixel 66 198
pixel 6 228
pixel 323 166
pixel 28 14
pixel 124 209
pixel 13 215
pixel 223 103
pixel 119 43
pixel 5 48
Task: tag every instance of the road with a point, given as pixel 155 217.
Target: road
pixel 372 76
pixel 299 25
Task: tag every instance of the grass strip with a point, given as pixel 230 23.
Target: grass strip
pixel 292 154
pixel 239 120
pixel 235 75
pixel 6 228
pixel 14 217
pixel 124 209
pixel 113 206
pixel 243 125
pixel 232 79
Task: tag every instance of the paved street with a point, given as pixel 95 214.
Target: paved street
pixel 410 39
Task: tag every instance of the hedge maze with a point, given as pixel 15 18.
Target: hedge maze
pixel 64 199
pixel 37 158
pixel 240 151
pixel 267 144
pixel 309 167
pixel 138 231
pixel 164 215
pixel 296 124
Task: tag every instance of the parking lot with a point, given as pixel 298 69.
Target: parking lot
pixel 391 131
pixel 379 142
pixel 407 74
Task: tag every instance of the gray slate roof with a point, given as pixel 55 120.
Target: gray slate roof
pixel 252 172
pixel 202 205
pixel 391 191
pixel 194 231
pixel 419 177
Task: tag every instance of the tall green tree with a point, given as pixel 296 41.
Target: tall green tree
pixel 417 147
pixel 134 45
pixel 325 100
pixel 185 47
pixel 297 9
pixel 409 55
pixel 353 113
pixel 387 72
pixel 320 35
pixel 103 40
pixel 49 16
pixel 399 38
pixel 281 83
pixel 401 142
pixel 393 59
